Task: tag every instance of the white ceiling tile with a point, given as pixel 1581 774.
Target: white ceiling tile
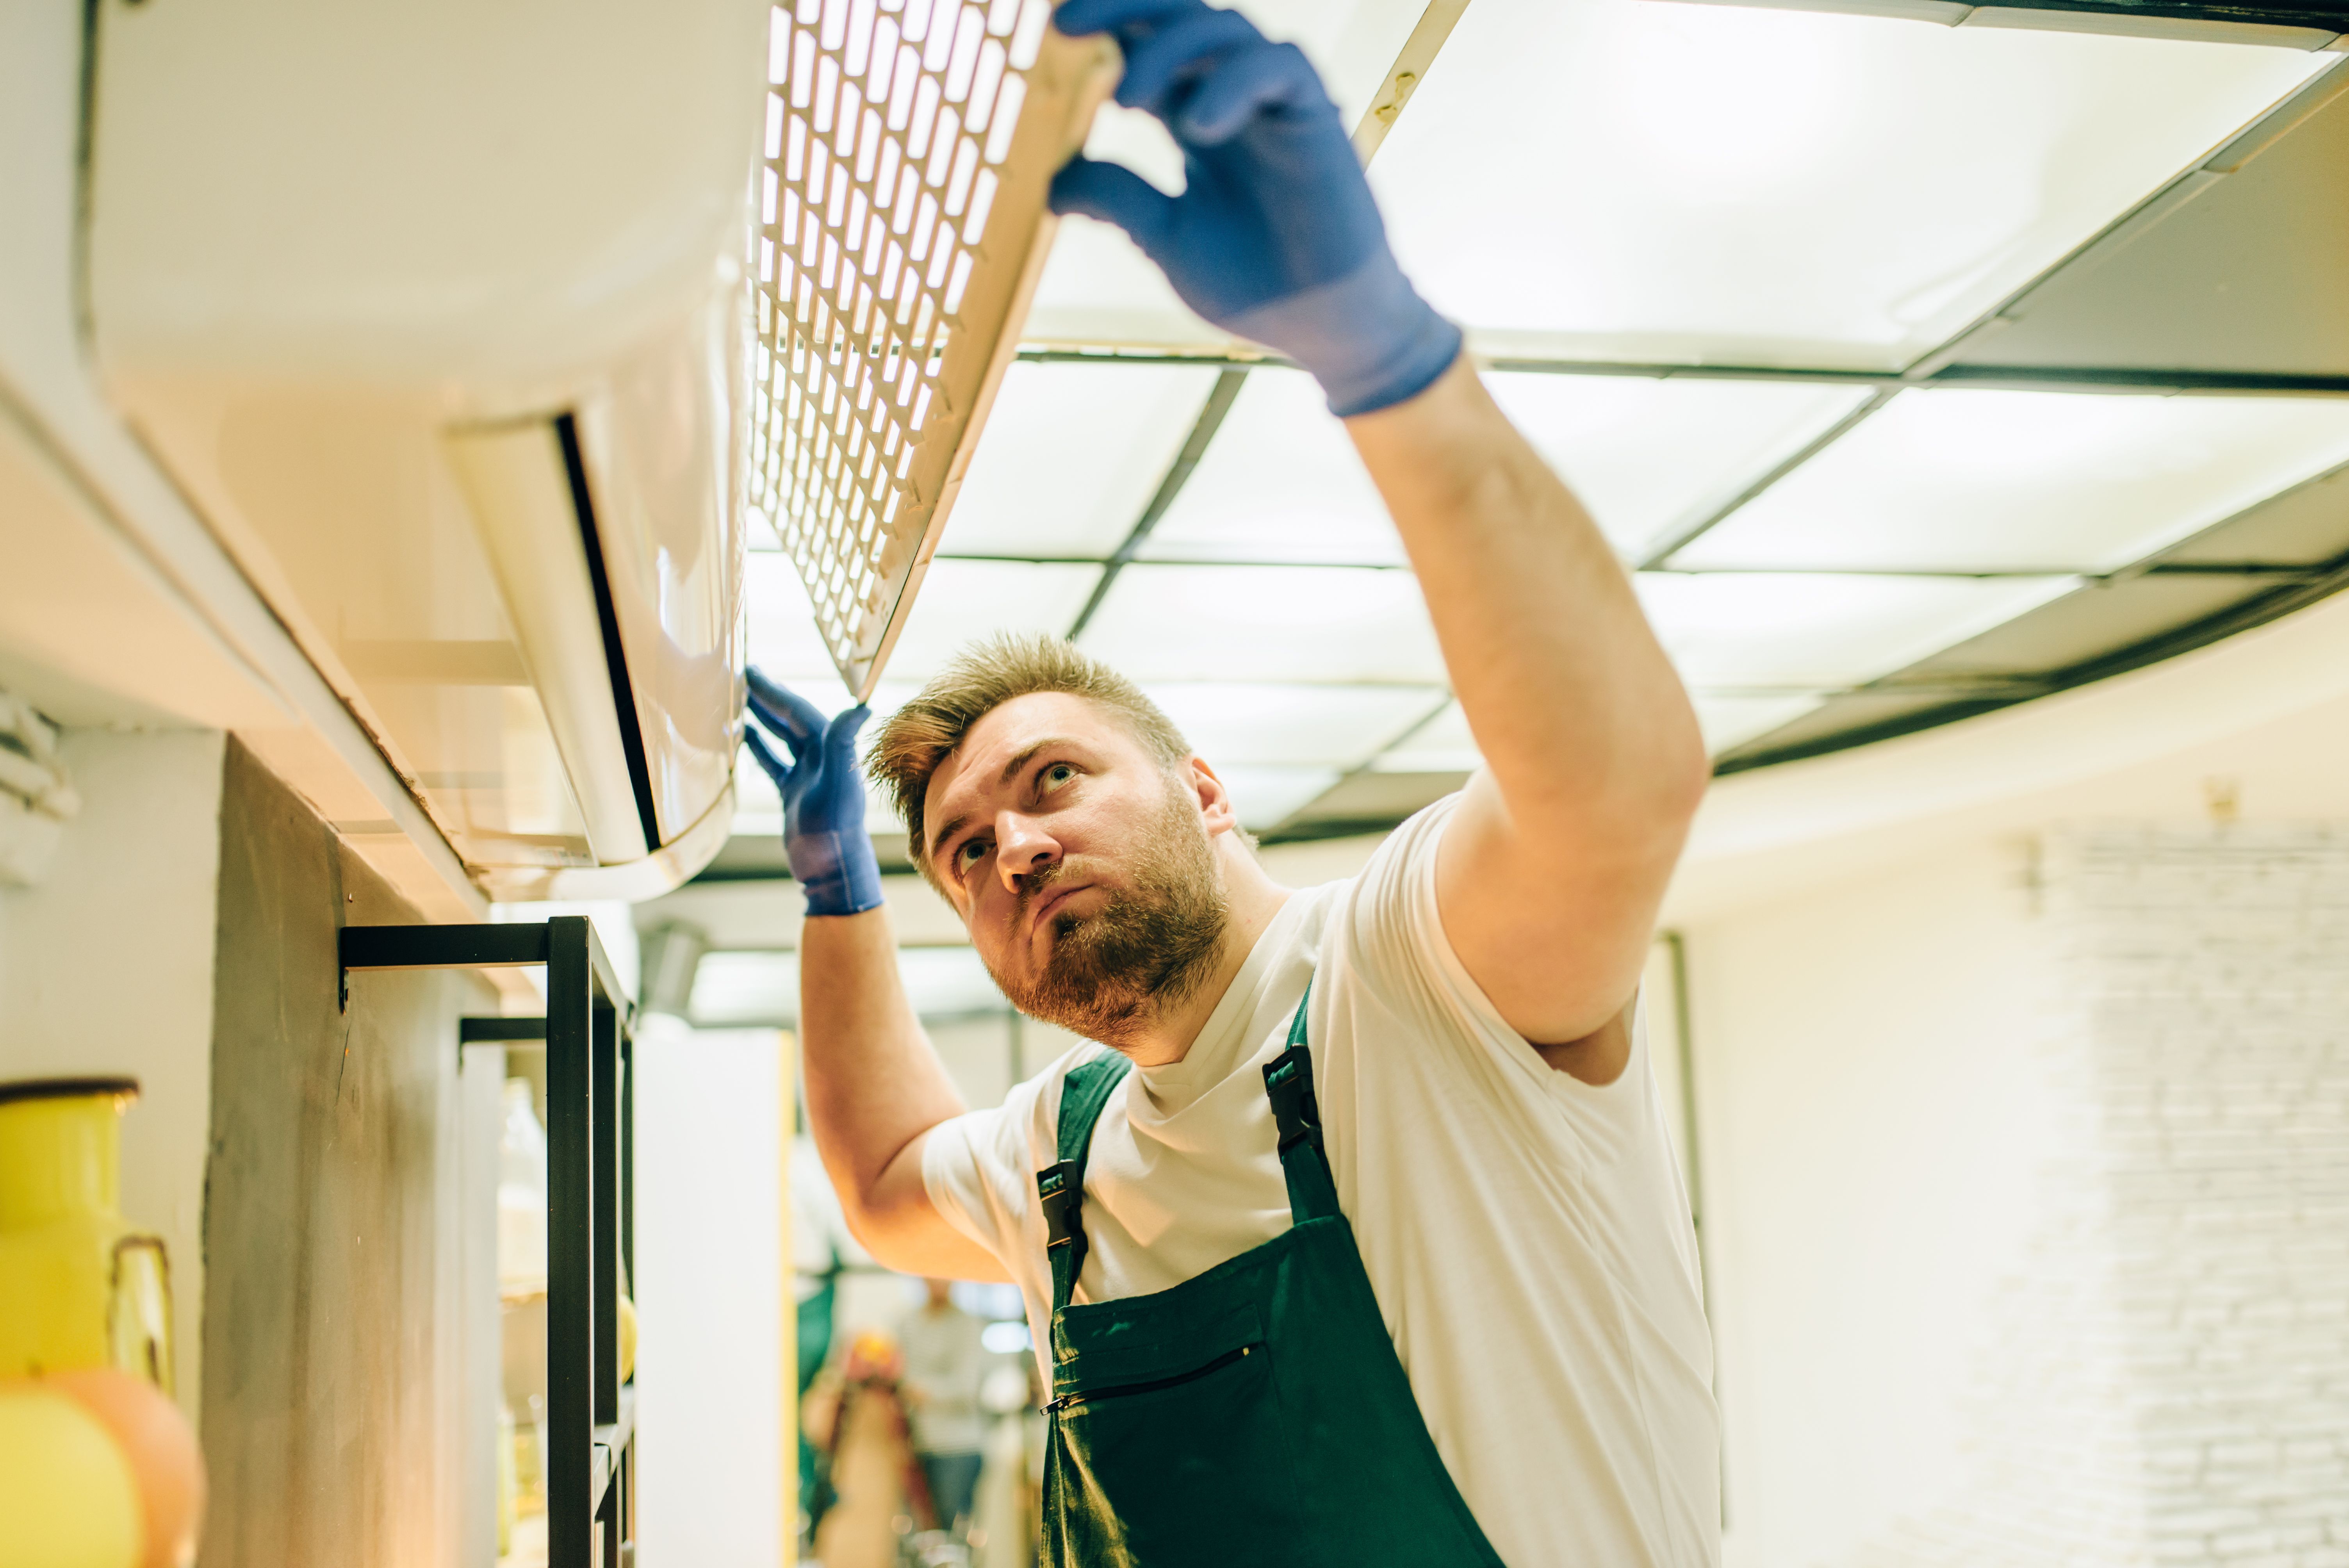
pixel 1237 724
pixel 1312 623
pixel 1267 796
pixel 959 603
pixel 782 640
pixel 1646 456
pixel 1070 455
pixel 1959 479
pixel 1442 745
pixel 1799 630
pixel 964 601
pixel 1634 179
pixel 1280 481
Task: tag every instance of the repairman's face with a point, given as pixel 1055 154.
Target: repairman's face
pixel 1085 873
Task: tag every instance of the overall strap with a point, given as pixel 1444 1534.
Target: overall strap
pixel 1061 1187
pixel 1288 1084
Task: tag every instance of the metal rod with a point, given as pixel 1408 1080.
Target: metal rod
pixel 478 1031
pixel 441 946
pixel 604 1102
pixel 2108 381
pixel 570 1196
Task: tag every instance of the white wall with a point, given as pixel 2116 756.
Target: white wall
pixel 1870 1113
pixel 1878 1069
pixel 107 968
pixel 713 1130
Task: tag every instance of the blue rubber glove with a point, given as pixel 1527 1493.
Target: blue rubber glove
pixel 1276 237
pixel 823 797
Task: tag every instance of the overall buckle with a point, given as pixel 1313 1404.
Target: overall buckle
pixel 1061 1190
pixel 1288 1084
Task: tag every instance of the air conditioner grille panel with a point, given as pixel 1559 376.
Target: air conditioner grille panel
pixel 902 224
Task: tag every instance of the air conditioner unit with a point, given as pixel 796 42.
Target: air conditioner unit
pixel 437 313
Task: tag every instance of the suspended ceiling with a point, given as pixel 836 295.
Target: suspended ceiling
pixel 1917 370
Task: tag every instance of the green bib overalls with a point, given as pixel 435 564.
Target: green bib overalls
pixel 1255 1414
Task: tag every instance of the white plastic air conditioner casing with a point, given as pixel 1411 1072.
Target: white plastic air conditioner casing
pixel 435 310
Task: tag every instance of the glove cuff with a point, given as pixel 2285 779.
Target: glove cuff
pixel 837 871
pixel 1368 337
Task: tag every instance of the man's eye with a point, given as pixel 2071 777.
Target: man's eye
pixel 1059 773
pixel 971 852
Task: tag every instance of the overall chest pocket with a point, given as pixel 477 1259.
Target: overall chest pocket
pixel 1184 1467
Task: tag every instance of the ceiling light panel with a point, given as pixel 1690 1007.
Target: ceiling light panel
pixel 1265 797
pixel 783 638
pixel 1795 630
pixel 1072 455
pixel 1648 455
pixel 965 601
pixel 1236 724
pixel 1442 745
pixel 1952 480
pixel 1280 481
pixel 962 602
pixel 1328 623
pixel 1642 179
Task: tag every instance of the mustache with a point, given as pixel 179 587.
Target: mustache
pixel 1032 891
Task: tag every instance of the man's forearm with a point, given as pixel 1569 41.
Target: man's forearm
pixel 1581 718
pixel 873 1082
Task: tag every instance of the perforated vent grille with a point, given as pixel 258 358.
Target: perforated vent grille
pixel 902 225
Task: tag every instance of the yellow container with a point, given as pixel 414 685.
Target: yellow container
pixel 80 1286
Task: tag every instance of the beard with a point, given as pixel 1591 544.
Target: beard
pixel 1149 947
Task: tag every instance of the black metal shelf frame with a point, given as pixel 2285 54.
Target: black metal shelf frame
pixel 590 1200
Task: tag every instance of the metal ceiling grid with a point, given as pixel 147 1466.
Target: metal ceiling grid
pixel 2260 561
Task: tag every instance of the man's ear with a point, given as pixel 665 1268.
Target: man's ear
pixel 1216 813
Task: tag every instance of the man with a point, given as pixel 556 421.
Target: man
pixel 944 1364
pixel 1356 1237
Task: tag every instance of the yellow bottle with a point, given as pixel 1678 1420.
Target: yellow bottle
pixel 80 1286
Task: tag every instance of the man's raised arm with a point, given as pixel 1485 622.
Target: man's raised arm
pixel 1552 869
pixel 875 1085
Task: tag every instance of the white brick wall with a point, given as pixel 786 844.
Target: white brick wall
pixel 2170 1380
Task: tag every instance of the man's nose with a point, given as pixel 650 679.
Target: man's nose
pixel 1022 849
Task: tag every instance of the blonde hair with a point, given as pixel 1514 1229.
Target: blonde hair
pixel 921 734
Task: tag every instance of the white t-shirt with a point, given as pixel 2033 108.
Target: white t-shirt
pixel 1527 1235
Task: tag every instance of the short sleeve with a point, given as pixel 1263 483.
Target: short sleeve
pixel 1396 951
pixel 1393 930
pixel 972 1166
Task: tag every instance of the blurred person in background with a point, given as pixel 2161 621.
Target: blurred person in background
pixel 855 1414
pixel 945 1364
